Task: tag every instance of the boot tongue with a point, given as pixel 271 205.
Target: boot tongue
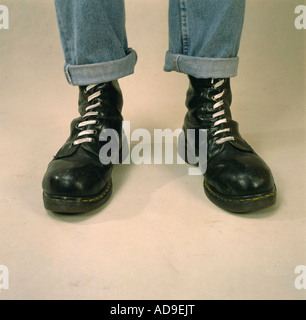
pixel 204 83
pixel 200 83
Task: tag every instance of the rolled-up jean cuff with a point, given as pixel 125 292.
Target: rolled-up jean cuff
pixel 202 67
pixel 82 75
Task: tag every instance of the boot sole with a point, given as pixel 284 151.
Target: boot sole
pixel 243 204
pixel 71 205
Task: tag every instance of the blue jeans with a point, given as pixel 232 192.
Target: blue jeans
pixel 204 38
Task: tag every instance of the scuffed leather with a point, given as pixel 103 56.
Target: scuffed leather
pixel 233 167
pixel 78 175
pixel 76 170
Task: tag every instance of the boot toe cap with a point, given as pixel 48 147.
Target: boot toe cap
pixel 64 178
pixel 247 175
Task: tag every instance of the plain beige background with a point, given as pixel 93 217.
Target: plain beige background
pixel 159 237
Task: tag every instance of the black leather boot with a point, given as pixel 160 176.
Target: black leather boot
pixel 236 178
pixel 76 181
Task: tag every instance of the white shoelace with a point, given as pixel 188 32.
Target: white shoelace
pixel 88 113
pixel 217 105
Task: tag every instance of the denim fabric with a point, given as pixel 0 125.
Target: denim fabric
pixel 204 38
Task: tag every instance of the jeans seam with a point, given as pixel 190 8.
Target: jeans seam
pixel 178 63
pixel 68 74
pixel 65 46
pixel 184 26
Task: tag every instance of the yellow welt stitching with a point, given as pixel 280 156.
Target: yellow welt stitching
pixel 239 200
pixel 86 200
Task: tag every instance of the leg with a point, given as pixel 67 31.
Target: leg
pixel 204 42
pixel 94 41
pixel 96 53
pixel 204 37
